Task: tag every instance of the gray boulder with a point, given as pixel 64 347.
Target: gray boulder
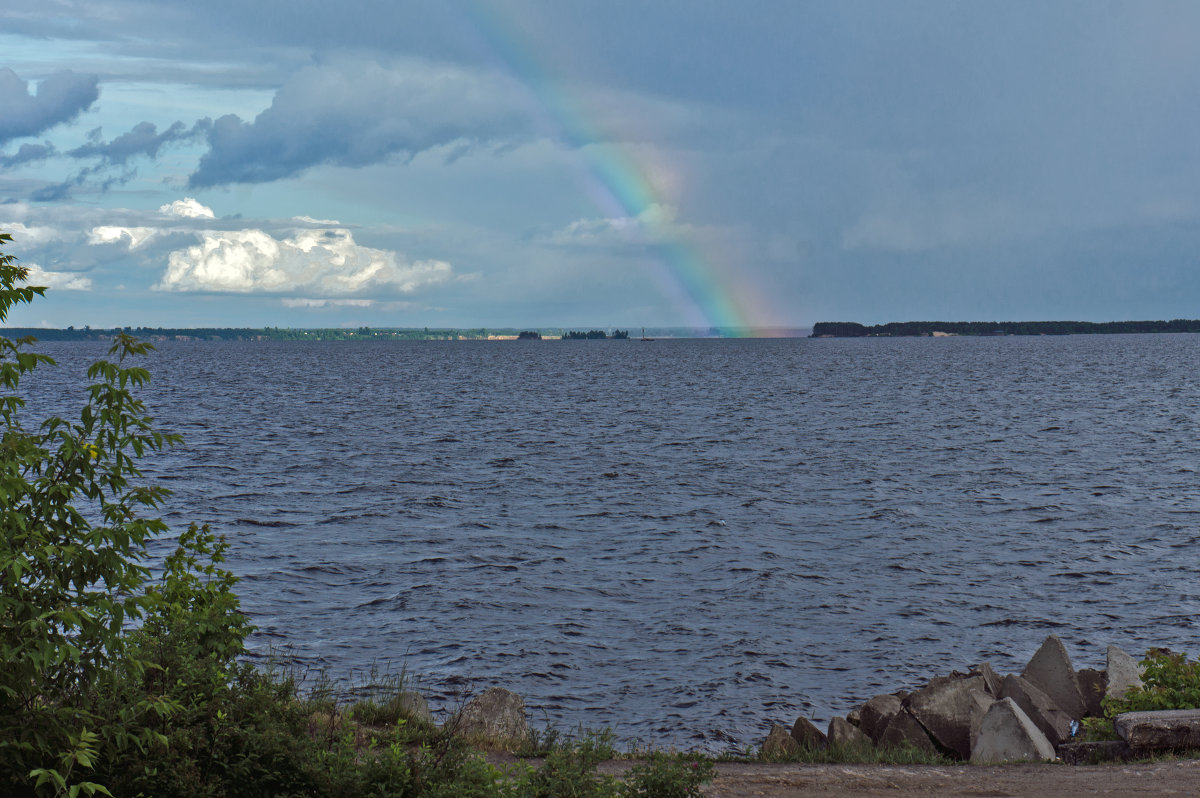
pixel 808 735
pixel 1051 672
pixel 843 735
pixel 1174 729
pixel 779 743
pixel 946 708
pixel 495 716
pixel 1008 735
pixel 1053 722
pixel 1123 672
pixel 903 730
pixel 414 706
pixel 875 715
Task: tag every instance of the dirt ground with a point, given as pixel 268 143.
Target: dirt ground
pixel 784 780
pixel 744 780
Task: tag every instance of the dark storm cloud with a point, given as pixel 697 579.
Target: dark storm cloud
pixel 59 98
pixel 27 153
pixel 143 139
pixel 355 113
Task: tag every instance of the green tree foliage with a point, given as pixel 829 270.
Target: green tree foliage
pixel 72 552
pixel 80 622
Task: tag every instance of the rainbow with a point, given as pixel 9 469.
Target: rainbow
pixel 708 290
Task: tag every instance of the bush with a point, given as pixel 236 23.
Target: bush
pixel 1169 681
pixel 71 556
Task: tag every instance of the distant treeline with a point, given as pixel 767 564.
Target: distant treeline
pixel 850 329
pixel 575 335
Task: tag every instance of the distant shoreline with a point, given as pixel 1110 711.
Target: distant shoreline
pixel 156 334
pixel 851 329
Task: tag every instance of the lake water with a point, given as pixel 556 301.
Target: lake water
pixel 689 539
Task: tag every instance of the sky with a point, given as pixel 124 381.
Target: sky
pixel 600 163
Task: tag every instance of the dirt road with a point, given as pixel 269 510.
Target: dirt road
pixel 751 780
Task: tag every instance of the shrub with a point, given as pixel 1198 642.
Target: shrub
pixel 72 552
pixel 1169 681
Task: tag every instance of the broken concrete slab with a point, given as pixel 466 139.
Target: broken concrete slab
pixel 1175 729
pixel 945 708
pixel 990 678
pixel 1050 670
pixel 903 730
pixel 1096 753
pixel 876 713
pixel 843 735
pixel 1123 672
pixel 1008 735
pixel 1092 684
pixel 983 702
pixel 808 735
pixel 1038 707
pixel 780 743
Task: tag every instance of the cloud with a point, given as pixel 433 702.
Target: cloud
pixel 27 153
pixel 59 98
pixel 313 262
pixel 656 224
pixel 143 139
pixel 943 220
pixel 130 237
pixel 135 237
pixel 355 113
pixel 187 208
pixel 71 281
pixel 303 302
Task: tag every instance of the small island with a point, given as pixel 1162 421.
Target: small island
pixel 851 329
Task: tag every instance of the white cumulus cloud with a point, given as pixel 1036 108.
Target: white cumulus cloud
pixel 187 208
pixel 131 237
pixel 71 281
pixel 317 263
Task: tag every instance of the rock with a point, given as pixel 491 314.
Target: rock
pixel 945 708
pixel 843 735
pixel 1176 729
pixel 990 678
pixel 496 716
pixel 1008 735
pixel 875 715
pixel 854 717
pixel 1123 672
pixel 779 743
pixel 808 735
pixel 1095 753
pixel 1050 671
pixel 904 730
pixel 414 706
pixel 1092 684
pixel 1037 706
